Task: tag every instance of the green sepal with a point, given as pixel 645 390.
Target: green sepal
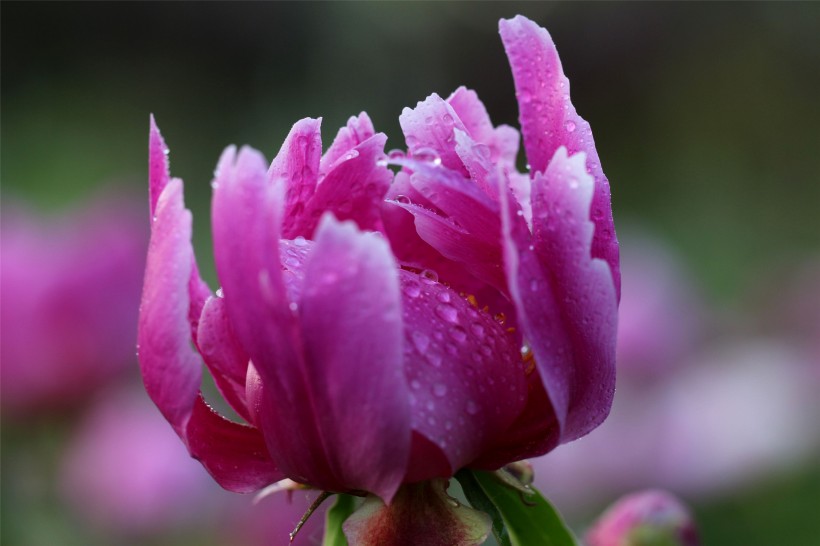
pixel 519 519
pixel 336 516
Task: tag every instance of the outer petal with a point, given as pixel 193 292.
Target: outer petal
pixel 465 373
pixel 246 222
pixel 358 129
pixel 430 125
pixel 352 190
pixel 298 165
pixel 502 141
pixel 172 370
pixel 158 170
pixel 350 314
pixel 562 235
pixel 549 120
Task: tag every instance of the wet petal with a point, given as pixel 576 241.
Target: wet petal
pixel 235 455
pixel 583 285
pixel 352 190
pixel 171 370
pixel 467 382
pixel 358 389
pixel 246 222
pixel 158 170
pixel 225 358
pixel 549 120
pixel 430 126
pixel 297 164
pixel 358 129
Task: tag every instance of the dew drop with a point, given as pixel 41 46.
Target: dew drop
pixel 444 297
pixel 420 341
pixel 293 306
pixel 299 241
pixel 416 384
pixel 525 97
pixel 428 276
pixel 477 329
pixel 447 312
pixel 434 359
pixel 220 293
pixel 458 333
pixel 440 389
pixel 403 199
pixel 427 155
pixel 412 289
pixel 482 151
pixel 534 285
pixel 396 154
pixel 472 407
pixel 570 125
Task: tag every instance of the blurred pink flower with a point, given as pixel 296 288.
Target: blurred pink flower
pixel 69 289
pixel 126 472
pixel 648 517
pixel 369 343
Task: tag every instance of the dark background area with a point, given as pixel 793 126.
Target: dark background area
pixel 705 117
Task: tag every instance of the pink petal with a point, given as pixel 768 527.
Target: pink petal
pixel 430 125
pixel 235 455
pixel 158 170
pixel 549 120
pixel 223 355
pixel 358 129
pixel 350 314
pixel 247 213
pixel 298 165
pixel 171 370
pixel 465 373
pixel 583 284
pixel 353 189
pixel 501 141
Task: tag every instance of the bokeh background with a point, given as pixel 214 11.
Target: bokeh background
pixel 707 123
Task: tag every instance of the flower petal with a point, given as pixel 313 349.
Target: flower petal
pixel 549 120
pixel 358 129
pixel 430 125
pixel 350 315
pixel 353 189
pixel 225 358
pixel 158 170
pixel 247 213
pixel 467 381
pixel 297 163
pixel 583 286
pixel 235 455
pixel 171 370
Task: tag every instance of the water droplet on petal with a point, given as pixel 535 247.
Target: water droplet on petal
pixel 293 306
pixel 396 154
pixel 420 341
pixel 458 333
pixel 570 125
pixel 220 293
pixel 444 297
pixel 412 289
pixel 447 312
pixel 416 384
pixel 472 407
pixel 477 329
pixel 299 241
pixel 403 199
pixel 428 276
pixel 440 389
pixel 427 155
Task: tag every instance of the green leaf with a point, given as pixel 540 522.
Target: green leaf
pixel 525 520
pixel 336 516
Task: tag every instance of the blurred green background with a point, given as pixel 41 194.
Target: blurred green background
pixel 705 116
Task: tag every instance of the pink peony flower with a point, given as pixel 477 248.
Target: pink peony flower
pixel 648 517
pixel 374 331
pixel 69 290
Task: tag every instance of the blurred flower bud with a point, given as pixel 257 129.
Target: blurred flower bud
pixel 647 518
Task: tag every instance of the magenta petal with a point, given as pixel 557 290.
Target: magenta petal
pixel 466 377
pixel 246 222
pixel 223 355
pixel 549 120
pixel 158 170
pixel 352 190
pixel 582 283
pixel 171 369
pixel 358 129
pixel 297 164
pixel 472 113
pixel 430 126
pixel 235 455
pixel 350 314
